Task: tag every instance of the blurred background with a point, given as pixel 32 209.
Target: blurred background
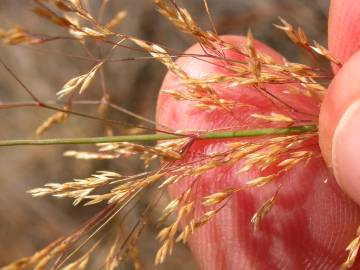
pixel 26 223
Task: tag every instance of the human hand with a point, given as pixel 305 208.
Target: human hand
pixel 312 221
pixel 340 113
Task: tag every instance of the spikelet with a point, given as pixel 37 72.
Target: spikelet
pixel 352 249
pixel 82 82
pixel 263 211
pixel 57 118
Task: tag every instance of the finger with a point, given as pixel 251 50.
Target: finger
pixel 340 127
pixel 344 28
pixel 312 221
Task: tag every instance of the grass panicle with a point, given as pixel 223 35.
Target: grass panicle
pixel 283 138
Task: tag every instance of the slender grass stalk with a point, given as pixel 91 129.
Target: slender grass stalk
pixel 159 136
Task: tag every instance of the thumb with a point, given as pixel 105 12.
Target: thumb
pixel 340 127
pixel 312 221
pixel 344 28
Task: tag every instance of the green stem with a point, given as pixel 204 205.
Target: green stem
pixel 160 136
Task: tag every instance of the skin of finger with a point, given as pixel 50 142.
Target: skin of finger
pixel 342 92
pixel 344 29
pixel 312 220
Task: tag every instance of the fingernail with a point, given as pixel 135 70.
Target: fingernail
pixel 346 151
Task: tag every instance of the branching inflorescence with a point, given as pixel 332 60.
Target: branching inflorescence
pixel 265 148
